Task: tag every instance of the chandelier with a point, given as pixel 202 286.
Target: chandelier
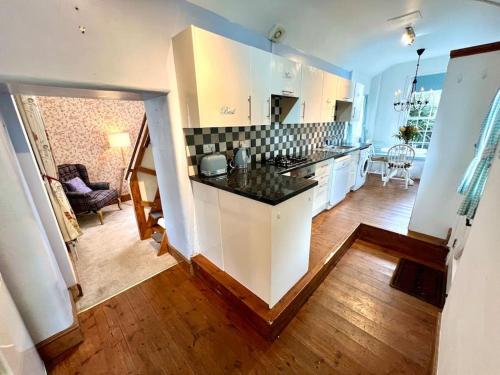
pixel 415 100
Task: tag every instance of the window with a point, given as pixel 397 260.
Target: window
pixel 424 119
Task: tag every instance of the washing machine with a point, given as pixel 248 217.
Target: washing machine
pixel 362 169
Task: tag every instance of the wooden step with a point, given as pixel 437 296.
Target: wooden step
pixel 157 236
pixel 156 215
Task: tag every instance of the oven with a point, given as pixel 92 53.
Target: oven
pixel 308 172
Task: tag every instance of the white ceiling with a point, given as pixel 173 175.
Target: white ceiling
pixel 355 34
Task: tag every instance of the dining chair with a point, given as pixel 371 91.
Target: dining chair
pixel 380 159
pixel 400 159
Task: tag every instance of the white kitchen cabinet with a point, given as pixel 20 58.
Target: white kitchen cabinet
pixel 322 190
pixel 286 76
pixel 311 94
pixel 259 250
pixel 213 79
pixel 345 89
pixel 206 205
pixel 260 94
pixel 252 242
pixel 329 96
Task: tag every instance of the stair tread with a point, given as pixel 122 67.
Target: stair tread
pixel 157 236
pixel 156 215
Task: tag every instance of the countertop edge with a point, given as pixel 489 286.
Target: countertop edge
pixel 271 202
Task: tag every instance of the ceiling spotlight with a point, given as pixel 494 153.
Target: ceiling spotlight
pixel 408 36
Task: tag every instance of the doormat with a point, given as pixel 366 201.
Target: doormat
pixel 420 281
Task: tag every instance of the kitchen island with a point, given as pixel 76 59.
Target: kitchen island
pixel 255 225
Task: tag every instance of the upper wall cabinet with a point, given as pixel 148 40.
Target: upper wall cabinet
pixel 213 79
pixel 286 76
pixel 345 89
pixel 260 84
pixel 311 94
pixel 225 83
pixel 330 84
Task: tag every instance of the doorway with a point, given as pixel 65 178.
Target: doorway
pixel 92 142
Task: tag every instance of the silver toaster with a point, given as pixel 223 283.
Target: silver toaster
pixel 214 164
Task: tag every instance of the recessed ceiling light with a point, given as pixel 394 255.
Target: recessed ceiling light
pixel 408 36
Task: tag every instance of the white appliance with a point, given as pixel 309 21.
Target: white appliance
pixel 353 170
pixel 18 355
pixel 362 169
pixel 340 180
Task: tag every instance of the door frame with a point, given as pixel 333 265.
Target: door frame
pixel 27 160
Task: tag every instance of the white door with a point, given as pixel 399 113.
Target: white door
pixel 286 76
pixel 328 97
pixel 223 80
pixel 260 95
pixel 311 94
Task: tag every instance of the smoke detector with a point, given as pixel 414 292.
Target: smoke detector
pixel 277 33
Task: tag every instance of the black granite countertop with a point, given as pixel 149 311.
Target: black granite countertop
pixel 265 183
pixel 261 182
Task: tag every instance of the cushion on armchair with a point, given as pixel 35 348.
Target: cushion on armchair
pixel 77 185
pixel 99 185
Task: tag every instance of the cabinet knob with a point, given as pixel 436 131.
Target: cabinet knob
pixel 278 216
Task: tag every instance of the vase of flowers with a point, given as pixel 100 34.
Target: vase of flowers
pixel 407 133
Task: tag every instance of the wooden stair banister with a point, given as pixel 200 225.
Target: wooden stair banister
pixel 147 223
pixel 133 159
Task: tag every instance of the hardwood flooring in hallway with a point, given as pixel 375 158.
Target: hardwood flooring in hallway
pixel 354 323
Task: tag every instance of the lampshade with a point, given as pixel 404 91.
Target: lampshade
pixel 119 139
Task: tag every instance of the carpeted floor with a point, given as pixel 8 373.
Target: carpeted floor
pixel 112 258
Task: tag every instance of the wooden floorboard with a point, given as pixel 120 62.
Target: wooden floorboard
pixel 354 323
pixel 386 207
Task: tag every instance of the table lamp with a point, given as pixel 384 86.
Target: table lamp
pixel 121 141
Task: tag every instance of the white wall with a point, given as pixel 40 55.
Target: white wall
pixel 469 88
pixel 18 355
pixel 27 263
pixel 127 45
pixel 382 120
pixel 37 189
pixel 469 340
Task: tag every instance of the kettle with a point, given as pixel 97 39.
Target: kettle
pixel 241 158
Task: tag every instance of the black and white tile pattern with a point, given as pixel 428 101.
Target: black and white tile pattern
pixel 264 141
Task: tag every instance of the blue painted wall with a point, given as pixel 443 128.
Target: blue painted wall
pixel 431 81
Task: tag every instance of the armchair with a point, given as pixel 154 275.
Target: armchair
pixel 93 201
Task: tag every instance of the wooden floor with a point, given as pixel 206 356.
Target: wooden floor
pixel 354 323
pixel 386 207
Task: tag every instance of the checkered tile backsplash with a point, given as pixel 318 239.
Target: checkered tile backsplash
pixel 264 141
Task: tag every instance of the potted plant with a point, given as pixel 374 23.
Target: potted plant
pixel 407 133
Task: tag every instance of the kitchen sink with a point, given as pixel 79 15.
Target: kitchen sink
pixel 339 148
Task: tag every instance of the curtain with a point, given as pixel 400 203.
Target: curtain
pixel 474 180
pixel 35 129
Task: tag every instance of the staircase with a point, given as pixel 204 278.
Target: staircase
pixel 144 191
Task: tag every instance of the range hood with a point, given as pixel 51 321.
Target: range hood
pixel 286 103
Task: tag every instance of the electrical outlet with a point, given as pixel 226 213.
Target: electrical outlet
pixel 208 148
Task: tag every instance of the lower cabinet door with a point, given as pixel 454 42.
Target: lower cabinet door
pixel 206 201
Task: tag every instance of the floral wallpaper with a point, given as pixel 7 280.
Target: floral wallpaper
pixel 78 133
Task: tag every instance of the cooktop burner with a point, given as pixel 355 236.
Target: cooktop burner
pixel 286 161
